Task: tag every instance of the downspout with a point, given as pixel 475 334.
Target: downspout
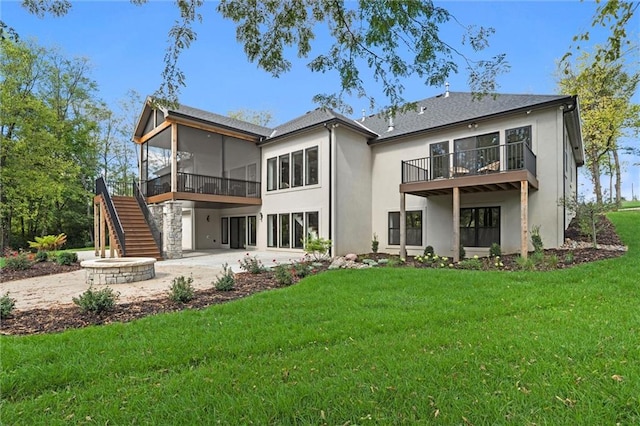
pixel 331 138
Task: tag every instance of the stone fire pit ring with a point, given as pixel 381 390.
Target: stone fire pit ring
pixel 119 270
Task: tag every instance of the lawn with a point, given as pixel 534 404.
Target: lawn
pixel 383 346
pixel 630 204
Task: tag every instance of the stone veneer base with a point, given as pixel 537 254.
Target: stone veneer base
pixel 119 270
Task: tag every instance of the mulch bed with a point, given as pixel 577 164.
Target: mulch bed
pixel 38 321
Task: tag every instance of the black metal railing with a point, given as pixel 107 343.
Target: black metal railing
pixel 479 161
pixel 153 226
pixel 211 185
pixel 121 187
pixel 102 189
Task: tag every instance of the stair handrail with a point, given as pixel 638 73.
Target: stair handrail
pixel 153 226
pixel 101 189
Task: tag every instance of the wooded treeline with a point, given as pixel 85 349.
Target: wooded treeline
pixel 56 137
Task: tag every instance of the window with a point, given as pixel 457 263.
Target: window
pixel 284 171
pixel 476 154
pixel 284 230
pixel 439 160
pixel 413 228
pixel 251 231
pixel 272 173
pixel 313 231
pixel 297 160
pixel 298 230
pixel 479 227
pixel 311 156
pixel 517 139
pixel 224 230
pixel 272 230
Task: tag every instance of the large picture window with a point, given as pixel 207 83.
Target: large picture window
pixel 297 160
pixel 272 174
pixel 413 228
pixel 284 171
pixel 479 226
pixel 272 230
pixel 284 230
pixel 311 159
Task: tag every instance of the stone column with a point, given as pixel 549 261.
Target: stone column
pixel 172 230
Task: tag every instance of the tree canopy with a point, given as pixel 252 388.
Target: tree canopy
pixel 390 39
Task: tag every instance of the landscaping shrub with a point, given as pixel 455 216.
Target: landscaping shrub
pixel 461 252
pixel 317 247
pixel 473 263
pixel 375 243
pixel 181 290
pixel 251 264
pixel 301 269
pixel 495 250
pixel 42 256
pixel 284 274
pixel 569 258
pixel 552 261
pixel 18 261
pixel 536 239
pixel 428 251
pixel 67 258
pixel 525 264
pixel 226 281
pixel 48 242
pixel 6 305
pixel 96 301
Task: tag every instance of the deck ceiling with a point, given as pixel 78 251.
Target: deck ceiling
pixel 503 181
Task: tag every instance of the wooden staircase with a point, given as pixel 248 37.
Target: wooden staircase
pixel 138 239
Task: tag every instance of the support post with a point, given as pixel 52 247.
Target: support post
pixel 96 228
pixel 524 218
pixel 174 157
pixel 103 234
pixel 403 226
pixel 456 224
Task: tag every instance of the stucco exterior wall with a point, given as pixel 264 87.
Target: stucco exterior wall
pixel 353 231
pixel 544 209
pixel 299 199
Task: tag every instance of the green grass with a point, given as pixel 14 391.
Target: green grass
pixel 385 346
pixel 630 204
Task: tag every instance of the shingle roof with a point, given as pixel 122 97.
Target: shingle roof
pixel 314 118
pixel 458 107
pixel 221 120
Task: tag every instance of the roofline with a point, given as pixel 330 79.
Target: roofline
pixel 575 131
pixel 353 126
pixel 542 105
pixel 175 114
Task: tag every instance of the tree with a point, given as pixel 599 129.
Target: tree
pixel 393 39
pixel 47 157
pixel 605 90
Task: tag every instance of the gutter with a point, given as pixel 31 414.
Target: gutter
pixel 331 138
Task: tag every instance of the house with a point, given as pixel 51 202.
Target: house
pixel 455 171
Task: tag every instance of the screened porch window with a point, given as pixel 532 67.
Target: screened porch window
pixel 479 226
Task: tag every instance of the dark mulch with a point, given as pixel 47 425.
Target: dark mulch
pixel 53 320
pixel 37 270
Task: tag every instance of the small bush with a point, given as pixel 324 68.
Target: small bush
pixel 375 243
pixel 284 275
pixel 569 258
pixel 474 264
pixel 42 256
pixel 17 261
pixel 48 242
pixel 181 290
pixel 226 281
pixel 317 247
pixel 428 251
pixel 495 250
pixel 67 258
pixel 536 239
pixel 461 252
pixel 301 269
pixel 525 264
pixel 552 261
pixel 6 305
pixel 251 264
pixel 96 301
pixel 538 258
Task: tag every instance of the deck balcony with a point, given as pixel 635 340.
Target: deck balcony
pixel 494 168
pixel 201 188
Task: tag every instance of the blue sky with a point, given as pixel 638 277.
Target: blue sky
pixel 126 44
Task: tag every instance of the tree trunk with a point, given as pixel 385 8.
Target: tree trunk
pixel 616 162
pixel 595 178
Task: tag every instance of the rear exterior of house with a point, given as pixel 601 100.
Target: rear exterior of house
pixel 456 171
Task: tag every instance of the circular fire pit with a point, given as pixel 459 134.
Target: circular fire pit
pixel 119 270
